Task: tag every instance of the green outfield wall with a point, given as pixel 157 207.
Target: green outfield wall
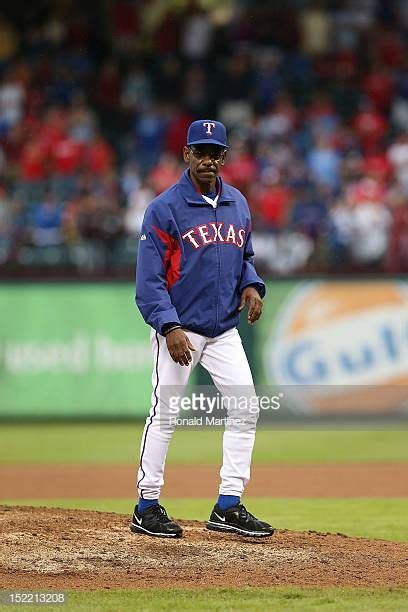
pixel 82 350
pixel 73 350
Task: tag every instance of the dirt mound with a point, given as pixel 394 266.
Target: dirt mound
pixel 55 548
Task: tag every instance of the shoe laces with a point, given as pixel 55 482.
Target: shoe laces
pixel 245 514
pixel 160 512
pixel 157 509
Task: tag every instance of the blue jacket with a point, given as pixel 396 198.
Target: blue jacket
pixel 194 260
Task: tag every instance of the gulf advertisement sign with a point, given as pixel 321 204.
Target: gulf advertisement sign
pixel 342 348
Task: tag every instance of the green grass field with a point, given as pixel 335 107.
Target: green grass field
pixel 257 599
pixel 226 600
pixel 110 443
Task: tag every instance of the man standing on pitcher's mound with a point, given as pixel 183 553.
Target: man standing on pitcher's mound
pixel 195 273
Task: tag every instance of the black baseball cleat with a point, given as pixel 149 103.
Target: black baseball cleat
pixel 155 522
pixel 237 519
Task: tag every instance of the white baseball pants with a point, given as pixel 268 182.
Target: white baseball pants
pixel 225 360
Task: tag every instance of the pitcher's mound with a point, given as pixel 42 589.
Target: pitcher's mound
pixel 67 549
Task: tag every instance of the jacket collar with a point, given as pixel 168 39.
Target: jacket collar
pixel 191 196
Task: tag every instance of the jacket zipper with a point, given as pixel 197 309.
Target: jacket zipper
pixel 219 279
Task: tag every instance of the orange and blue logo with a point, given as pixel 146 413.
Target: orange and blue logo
pixel 342 347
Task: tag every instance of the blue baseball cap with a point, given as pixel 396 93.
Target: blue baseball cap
pixel 207 131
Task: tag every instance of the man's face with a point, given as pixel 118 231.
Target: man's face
pixel 205 161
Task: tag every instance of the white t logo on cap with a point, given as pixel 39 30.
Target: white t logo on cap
pixel 210 126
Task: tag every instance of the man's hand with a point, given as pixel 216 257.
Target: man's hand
pixel 251 297
pixel 179 346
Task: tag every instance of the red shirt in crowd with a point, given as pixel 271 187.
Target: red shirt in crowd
pixel 164 175
pixel 125 19
pixel 53 127
pixel 391 49
pixel 272 203
pixel 379 87
pixel 66 156
pixel 33 161
pixel 177 132
pixel 365 190
pixel 378 167
pixel 345 65
pixel 241 172
pixel 99 157
pixel 397 256
pixel 370 127
pixel 166 37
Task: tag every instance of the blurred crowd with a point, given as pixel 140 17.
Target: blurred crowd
pixel 94 110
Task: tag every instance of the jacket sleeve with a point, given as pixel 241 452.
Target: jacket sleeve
pixel 249 277
pixel 152 296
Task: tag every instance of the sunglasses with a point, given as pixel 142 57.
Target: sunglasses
pixel 202 151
